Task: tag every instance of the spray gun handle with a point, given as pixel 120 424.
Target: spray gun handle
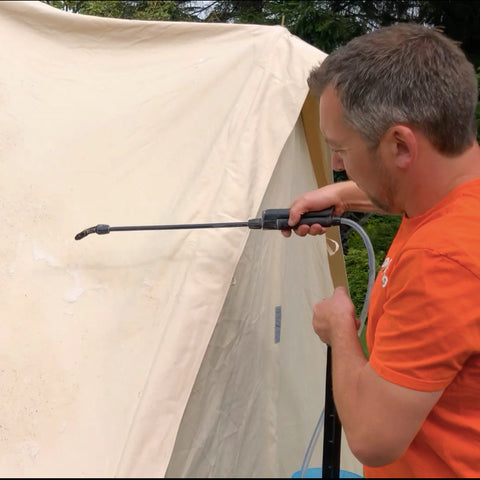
pixel 277 218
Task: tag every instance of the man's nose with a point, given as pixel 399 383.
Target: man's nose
pixel 337 162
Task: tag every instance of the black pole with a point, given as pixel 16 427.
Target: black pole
pixel 332 430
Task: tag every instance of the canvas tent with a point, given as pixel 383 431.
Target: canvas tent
pixel 185 353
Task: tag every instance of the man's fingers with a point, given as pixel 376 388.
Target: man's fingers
pixel 315 229
pixel 294 217
pixel 302 230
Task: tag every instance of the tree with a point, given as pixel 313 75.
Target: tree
pixel 134 10
pixel 460 20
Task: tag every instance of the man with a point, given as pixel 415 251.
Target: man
pixel 397 109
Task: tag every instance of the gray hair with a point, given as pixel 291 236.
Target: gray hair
pixel 405 73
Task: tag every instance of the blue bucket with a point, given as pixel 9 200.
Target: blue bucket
pixel 317 473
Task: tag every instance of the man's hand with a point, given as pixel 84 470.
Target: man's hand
pixel 319 199
pixel 344 196
pixel 334 317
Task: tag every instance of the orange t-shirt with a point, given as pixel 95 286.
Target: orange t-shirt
pixel 424 332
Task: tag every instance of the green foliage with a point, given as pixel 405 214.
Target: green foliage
pixel 133 10
pixel 319 23
pixel 460 20
pixel 381 230
pixel 246 11
pixel 356 264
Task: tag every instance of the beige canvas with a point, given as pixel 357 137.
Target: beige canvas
pixel 110 345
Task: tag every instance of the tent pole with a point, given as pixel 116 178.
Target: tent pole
pixel 332 429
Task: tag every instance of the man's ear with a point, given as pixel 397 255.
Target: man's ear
pixel 401 145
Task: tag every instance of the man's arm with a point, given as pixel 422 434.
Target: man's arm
pixel 344 196
pixel 380 418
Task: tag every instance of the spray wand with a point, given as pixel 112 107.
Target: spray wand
pixel 271 219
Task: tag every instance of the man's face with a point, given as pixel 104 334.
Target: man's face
pixel 351 153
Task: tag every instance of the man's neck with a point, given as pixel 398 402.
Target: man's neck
pixel 431 179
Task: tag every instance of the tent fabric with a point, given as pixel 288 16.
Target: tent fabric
pixel 153 354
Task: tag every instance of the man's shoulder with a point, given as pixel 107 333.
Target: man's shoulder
pixel 453 233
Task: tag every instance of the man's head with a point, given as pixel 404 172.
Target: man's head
pixel 404 74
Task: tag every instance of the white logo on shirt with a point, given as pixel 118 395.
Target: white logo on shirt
pixel 383 269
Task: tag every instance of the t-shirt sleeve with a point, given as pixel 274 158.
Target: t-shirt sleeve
pixel 430 321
